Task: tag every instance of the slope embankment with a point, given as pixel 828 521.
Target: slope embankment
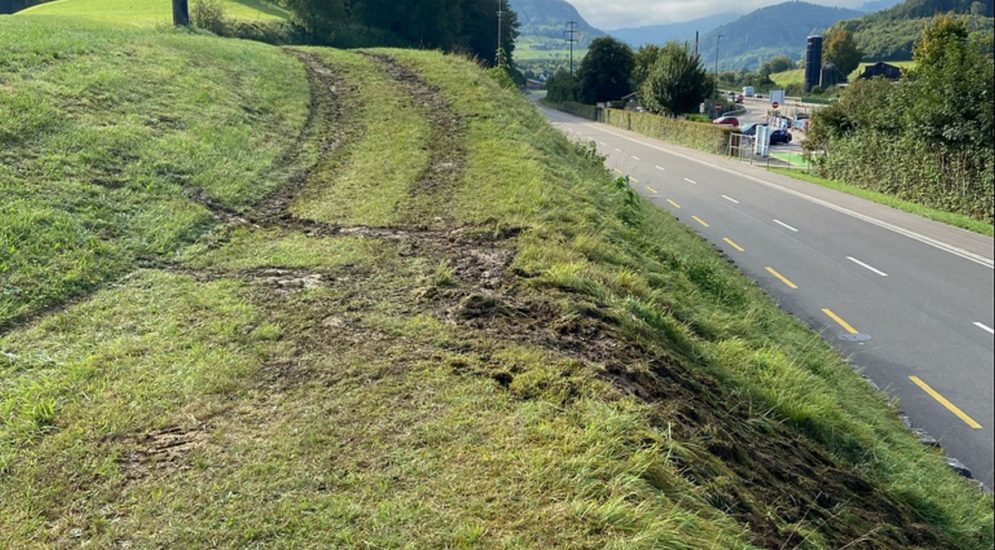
pixel 403 311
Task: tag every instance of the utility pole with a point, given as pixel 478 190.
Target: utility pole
pixel 500 52
pixel 572 39
pixel 717 38
pixel 181 13
pixel 696 43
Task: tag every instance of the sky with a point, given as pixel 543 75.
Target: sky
pixel 613 14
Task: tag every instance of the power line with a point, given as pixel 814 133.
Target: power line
pixel 571 33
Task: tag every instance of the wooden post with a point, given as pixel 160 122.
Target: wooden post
pixel 181 13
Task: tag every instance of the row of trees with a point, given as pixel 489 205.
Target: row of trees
pixel 670 79
pixel 468 26
pixel 927 138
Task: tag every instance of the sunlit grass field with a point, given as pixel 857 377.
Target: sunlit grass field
pixel 150 12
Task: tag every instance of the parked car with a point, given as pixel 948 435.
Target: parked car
pixel 780 137
pixel 750 129
pixel 726 121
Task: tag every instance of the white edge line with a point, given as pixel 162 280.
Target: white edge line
pixel 730 199
pixel 949 248
pixel 867 267
pixel 985 328
pixel 786 226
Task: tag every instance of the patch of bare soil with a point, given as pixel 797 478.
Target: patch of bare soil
pixel 165 449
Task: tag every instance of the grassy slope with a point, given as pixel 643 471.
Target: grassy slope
pixel 543 360
pixel 103 133
pixel 149 12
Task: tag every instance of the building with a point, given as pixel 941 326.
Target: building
pixel 831 76
pixel 881 68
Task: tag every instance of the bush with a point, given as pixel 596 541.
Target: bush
pixel 210 16
pixel 926 139
pixel 561 87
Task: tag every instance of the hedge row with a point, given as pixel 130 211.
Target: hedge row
pixel 911 169
pixel 590 112
pixel 696 135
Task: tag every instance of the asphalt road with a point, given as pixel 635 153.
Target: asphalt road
pixel 907 300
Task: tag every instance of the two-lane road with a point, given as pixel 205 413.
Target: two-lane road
pixel 908 300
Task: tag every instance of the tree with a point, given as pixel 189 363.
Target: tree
pixel 606 72
pixel 561 87
pixel 778 64
pixel 645 59
pixel 951 89
pixel 469 26
pixel 678 82
pixel 841 50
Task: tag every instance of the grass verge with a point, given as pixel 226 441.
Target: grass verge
pixel 949 218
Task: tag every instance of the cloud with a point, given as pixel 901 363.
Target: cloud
pixel 613 14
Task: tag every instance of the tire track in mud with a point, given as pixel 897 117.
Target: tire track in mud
pixel 447 160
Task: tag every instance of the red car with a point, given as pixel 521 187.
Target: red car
pixel 727 121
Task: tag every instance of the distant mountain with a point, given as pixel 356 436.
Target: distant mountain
pixel 546 21
pixel 671 32
pixel 891 34
pixel 758 36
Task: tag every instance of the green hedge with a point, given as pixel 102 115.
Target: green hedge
pixel 910 169
pixel 590 112
pixel 697 135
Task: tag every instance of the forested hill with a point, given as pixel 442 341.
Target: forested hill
pixel 672 32
pixel 765 33
pixel 547 19
pixel 891 34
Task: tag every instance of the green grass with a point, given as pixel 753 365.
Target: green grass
pixel 797 76
pixel 144 13
pixel 787 78
pixel 949 218
pixel 527 356
pixel 104 131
